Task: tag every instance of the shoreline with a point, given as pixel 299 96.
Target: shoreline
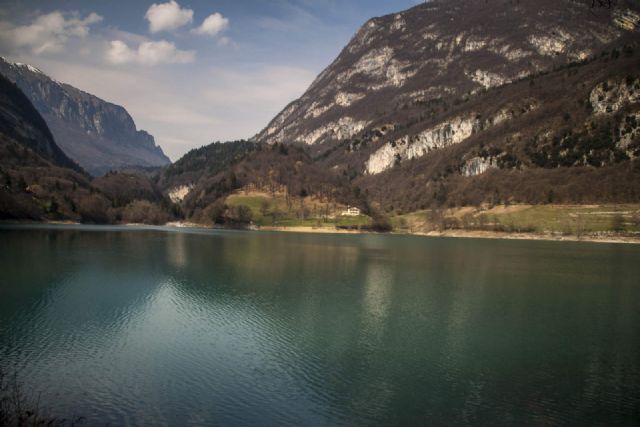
pixel 467 234
pixel 480 234
pixel 460 234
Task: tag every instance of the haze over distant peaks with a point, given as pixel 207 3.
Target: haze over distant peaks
pixel 98 135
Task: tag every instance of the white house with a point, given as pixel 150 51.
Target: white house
pixel 351 211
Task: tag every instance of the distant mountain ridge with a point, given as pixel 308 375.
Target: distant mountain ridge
pixel 98 135
pixel 21 122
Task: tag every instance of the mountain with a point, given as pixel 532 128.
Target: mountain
pixel 457 103
pixel 437 51
pixel 98 135
pixel 215 171
pixel 208 160
pixel 21 122
pixel 452 103
pixel 38 182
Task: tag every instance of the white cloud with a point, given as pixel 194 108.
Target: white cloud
pixel 48 33
pixel 148 53
pixel 167 16
pixel 120 53
pixel 212 25
pixel 164 52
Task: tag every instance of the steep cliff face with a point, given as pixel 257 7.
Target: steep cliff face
pixel 100 136
pixel 438 51
pixel 21 123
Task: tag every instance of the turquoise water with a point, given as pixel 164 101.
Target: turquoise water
pixel 168 327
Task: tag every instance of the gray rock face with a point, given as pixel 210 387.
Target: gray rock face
pixel 478 165
pixel 98 135
pixel 439 50
pixel 21 122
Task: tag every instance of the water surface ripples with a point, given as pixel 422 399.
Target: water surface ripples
pixel 144 326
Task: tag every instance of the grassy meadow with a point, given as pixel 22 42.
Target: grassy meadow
pixel 556 219
pixel 278 210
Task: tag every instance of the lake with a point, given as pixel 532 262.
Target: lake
pixel 153 326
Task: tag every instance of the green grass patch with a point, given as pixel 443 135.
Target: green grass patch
pixel 570 219
pixel 352 220
pixel 274 211
pixel 253 202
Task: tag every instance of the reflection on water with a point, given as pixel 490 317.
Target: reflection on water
pixel 147 326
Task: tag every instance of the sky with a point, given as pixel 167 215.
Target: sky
pixel 190 72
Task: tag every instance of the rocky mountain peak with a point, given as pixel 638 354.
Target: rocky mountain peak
pixel 443 49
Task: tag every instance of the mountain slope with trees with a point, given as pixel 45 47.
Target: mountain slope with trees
pixel 38 182
pixel 458 103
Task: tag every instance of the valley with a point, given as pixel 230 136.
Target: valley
pixel 422 128
pixel 370 216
